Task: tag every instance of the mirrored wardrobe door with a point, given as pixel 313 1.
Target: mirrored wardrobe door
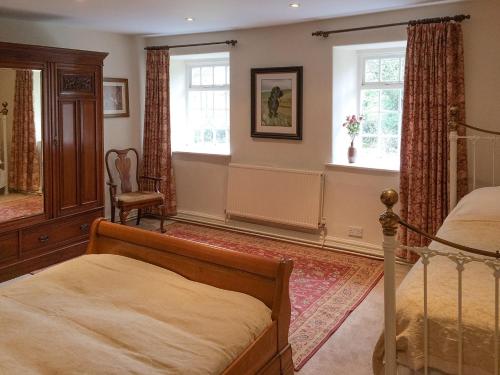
pixel 21 154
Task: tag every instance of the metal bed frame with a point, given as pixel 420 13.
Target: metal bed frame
pixel 390 222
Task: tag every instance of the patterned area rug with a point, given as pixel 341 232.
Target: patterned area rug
pixel 23 207
pixel 325 286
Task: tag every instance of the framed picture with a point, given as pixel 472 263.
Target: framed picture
pixel 277 103
pixel 115 97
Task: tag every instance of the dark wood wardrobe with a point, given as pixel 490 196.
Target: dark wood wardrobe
pixel 70 116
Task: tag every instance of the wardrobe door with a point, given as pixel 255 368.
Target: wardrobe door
pixel 79 137
pixel 67 142
pixel 89 153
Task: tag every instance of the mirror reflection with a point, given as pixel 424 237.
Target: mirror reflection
pixel 21 166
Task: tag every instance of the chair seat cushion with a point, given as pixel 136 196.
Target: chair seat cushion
pixel 139 197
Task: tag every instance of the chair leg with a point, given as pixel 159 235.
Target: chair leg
pixel 113 209
pixel 123 216
pixel 139 213
pixel 162 219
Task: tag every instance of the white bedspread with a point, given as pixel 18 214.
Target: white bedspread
pixel 108 314
pixel 475 222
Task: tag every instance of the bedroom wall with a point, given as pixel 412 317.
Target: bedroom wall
pixel 124 61
pixel 351 194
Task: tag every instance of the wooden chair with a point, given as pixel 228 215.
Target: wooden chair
pixel 128 199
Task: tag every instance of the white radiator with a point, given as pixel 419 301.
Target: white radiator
pixel 284 196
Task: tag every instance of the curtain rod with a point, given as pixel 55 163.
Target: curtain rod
pixel 228 42
pixel 457 18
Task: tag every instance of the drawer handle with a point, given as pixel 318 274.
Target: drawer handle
pixel 84 228
pixel 43 238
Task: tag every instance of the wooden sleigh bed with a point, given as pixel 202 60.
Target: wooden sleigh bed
pixel 445 316
pixel 142 302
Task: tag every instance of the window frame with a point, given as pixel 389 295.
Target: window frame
pixel 205 63
pixel 189 87
pixel 363 56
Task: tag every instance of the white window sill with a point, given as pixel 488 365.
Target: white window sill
pixel 214 154
pixel 362 167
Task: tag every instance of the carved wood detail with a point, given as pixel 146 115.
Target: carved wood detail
pixel 77 83
pixel 123 166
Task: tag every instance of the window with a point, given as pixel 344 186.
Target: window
pixel 381 105
pixel 200 109
pixel 368 80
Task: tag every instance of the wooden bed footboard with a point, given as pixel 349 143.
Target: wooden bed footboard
pixel 263 278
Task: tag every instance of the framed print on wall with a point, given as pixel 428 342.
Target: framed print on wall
pixel 277 103
pixel 115 97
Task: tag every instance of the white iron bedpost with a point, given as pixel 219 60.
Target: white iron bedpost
pixel 453 125
pixel 389 221
pixel 4 112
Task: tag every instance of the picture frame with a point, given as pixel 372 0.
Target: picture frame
pixel 276 103
pixel 115 97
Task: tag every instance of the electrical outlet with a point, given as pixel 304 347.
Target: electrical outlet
pixel 355 232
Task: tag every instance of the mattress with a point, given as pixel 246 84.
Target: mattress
pixel 475 222
pixel 115 315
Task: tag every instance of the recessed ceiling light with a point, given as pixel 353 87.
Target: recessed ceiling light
pixel 294 5
pixel 189 19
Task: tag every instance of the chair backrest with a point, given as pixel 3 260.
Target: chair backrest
pixel 124 168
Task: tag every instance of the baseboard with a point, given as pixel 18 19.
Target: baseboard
pixel 193 215
pixel 355 246
pixel 331 243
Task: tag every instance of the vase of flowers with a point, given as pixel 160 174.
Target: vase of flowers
pixel 353 126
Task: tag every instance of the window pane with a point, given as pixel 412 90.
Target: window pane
pixel 220 118
pixel 195 77
pixel 194 100
pixel 370 101
pixel 220 100
pixel 195 119
pixel 372 73
pixel 389 70
pixel 209 100
pixel 207 78
pixel 220 75
pixel 369 142
pixel 227 75
pixel 391 145
pixel 390 100
pixel 197 136
pixel 402 76
pixel 221 136
pixel 370 124
pixel 390 123
pixel 208 136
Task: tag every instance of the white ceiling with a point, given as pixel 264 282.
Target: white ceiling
pixel 167 17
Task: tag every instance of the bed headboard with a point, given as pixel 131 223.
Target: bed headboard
pixel 474 141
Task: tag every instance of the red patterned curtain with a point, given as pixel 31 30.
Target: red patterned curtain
pixel 434 81
pixel 157 155
pixel 24 163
